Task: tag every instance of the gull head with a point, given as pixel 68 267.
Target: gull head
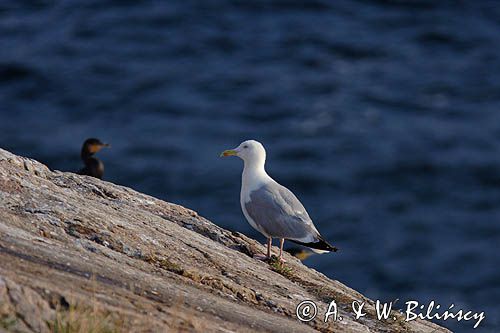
pixel 249 151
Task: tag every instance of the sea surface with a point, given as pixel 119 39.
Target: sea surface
pixel 382 116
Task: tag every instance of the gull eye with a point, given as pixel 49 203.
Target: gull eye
pixel 245 146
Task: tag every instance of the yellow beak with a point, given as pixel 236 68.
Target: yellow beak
pixel 229 152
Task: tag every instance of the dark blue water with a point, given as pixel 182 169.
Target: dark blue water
pixel 382 116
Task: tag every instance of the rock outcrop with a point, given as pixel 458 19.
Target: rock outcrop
pixel 79 252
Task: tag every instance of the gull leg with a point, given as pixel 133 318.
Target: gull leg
pixel 262 257
pixel 282 241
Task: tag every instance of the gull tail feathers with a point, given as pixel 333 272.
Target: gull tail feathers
pixel 319 246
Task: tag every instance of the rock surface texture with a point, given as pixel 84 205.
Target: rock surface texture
pixel 73 244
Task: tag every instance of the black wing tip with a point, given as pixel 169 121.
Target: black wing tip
pixel 320 245
pixel 327 245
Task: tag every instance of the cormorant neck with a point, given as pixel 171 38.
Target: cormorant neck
pixel 86 155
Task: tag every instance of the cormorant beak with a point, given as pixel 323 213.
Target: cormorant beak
pixel 107 145
pixel 230 152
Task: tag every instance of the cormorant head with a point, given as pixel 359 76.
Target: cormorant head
pixel 93 145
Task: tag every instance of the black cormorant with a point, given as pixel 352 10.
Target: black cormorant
pixel 93 166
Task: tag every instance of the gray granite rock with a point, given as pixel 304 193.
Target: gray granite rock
pixel 70 242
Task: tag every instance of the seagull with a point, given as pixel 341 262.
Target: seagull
pixel 271 208
pixel 93 166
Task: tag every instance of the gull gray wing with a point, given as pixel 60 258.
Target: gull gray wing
pixel 278 212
